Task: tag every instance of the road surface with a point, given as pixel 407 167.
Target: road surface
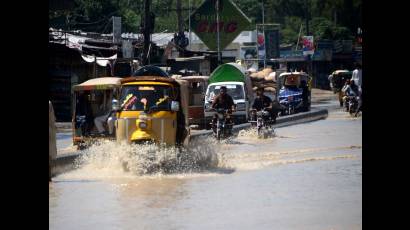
pixel 308 176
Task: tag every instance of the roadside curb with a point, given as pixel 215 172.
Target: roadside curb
pixel 312 115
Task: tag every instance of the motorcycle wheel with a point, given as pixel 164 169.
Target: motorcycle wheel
pixel 218 134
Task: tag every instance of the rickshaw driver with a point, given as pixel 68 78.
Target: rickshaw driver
pixel 225 101
pixel 350 88
pixel 108 117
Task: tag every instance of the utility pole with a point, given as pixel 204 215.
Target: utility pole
pixel 189 22
pixel 217 32
pixel 181 34
pixel 307 17
pixel 146 31
pixel 263 30
pixel 179 17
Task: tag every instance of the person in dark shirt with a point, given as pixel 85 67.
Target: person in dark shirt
pixel 305 95
pixel 223 101
pixel 263 102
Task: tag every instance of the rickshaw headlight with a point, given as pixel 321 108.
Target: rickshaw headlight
pixel 142 125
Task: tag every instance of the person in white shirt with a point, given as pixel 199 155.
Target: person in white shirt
pixel 357 76
pixel 108 118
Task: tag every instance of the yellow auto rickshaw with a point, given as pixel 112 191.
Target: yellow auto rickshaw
pixel 92 99
pixel 197 86
pixel 337 80
pixel 152 109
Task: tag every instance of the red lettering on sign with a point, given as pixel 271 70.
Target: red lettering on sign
pixel 202 27
pixel 231 27
pixel 212 28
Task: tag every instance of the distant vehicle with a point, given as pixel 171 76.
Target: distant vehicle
pixel 92 99
pixel 337 80
pixel 239 88
pixel 290 93
pixel 197 86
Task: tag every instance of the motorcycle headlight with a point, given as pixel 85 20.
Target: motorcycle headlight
pixel 240 106
pixel 142 125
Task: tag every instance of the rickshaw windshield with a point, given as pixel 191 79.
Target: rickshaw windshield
pixel 146 98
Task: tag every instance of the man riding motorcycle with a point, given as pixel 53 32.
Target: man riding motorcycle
pixel 223 101
pixel 263 102
pixel 350 90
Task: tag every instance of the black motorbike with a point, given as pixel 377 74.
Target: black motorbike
pixel 351 105
pixel 222 128
pixel 263 122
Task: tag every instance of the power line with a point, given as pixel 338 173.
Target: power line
pixel 91 23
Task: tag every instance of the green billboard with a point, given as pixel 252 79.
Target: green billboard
pixel 232 21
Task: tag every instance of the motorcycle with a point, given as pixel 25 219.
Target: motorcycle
pixel 222 128
pixel 351 105
pixel 263 123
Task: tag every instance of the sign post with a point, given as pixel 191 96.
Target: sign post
pixel 116 29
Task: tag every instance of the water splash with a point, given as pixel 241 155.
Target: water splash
pixel 108 159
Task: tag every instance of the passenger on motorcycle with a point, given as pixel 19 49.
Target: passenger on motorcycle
pixel 350 89
pixel 223 101
pixel 263 102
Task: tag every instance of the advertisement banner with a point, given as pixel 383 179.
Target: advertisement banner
pixel 272 44
pixel 248 54
pixel 308 47
pixel 261 45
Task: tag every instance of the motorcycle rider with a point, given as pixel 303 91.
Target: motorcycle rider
pixel 350 89
pixel 263 102
pixel 223 101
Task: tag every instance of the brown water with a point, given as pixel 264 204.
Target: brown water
pixel 308 176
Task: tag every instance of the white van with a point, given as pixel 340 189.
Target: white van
pixel 238 93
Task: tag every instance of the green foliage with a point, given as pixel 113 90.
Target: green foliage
pixel 328 19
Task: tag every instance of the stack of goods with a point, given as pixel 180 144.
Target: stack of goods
pixel 264 79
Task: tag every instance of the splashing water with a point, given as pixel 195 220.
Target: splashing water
pixel 109 159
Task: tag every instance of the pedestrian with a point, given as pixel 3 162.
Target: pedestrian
pixel 357 76
pixel 305 95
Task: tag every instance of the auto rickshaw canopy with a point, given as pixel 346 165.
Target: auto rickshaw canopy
pixel 228 72
pixel 293 78
pixel 194 78
pixel 150 70
pixel 337 72
pixel 101 83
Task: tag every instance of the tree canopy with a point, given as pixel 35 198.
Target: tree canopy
pixel 327 19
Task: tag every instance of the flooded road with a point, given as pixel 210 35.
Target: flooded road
pixel 307 177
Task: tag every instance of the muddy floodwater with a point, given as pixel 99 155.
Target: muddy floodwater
pixel 309 176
